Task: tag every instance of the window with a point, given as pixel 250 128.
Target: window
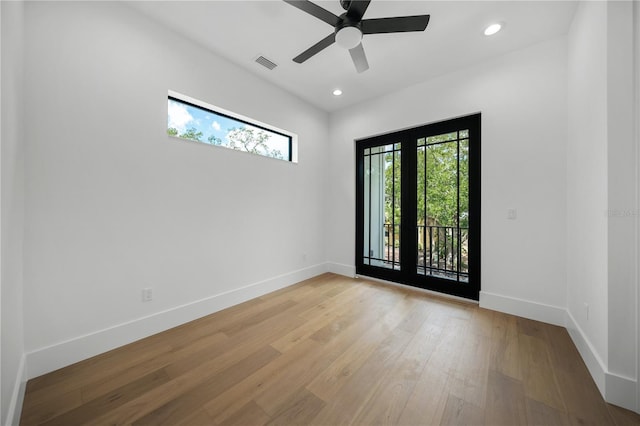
pixel 197 121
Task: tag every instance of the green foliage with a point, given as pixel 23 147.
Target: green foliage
pixel 193 134
pixel 437 167
pixel 214 141
pixel 252 140
pixel 241 139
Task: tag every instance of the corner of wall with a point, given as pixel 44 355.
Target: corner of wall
pixel 524 308
pixel 614 388
pixel 341 269
pixel 15 405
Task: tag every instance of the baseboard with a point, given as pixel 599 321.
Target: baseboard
pixel 523 308
pixel 621 391
pixel 341 269
pixel 45 360
pixel 615 389
pixel 17 397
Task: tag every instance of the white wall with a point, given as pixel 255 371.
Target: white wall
pixel 602 192
pixel 114 205
pixel 636 29
pixel 523 100
pixel 11 231
pixel 622 190
pixel 587 243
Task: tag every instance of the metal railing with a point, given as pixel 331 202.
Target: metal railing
pixel 442 250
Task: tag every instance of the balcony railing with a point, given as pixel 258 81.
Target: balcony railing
pixel 442 250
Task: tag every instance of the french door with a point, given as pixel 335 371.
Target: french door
pixel 418 206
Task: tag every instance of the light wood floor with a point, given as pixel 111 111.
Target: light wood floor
pixel 333 350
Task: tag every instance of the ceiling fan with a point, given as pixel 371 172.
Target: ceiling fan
pixel 350 27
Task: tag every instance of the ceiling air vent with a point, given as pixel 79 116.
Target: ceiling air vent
pixel 266 62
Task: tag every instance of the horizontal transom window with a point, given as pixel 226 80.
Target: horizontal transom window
pixel 194 120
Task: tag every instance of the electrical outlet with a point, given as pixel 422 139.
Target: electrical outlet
pixel 147 294
pixel 512 214
pixel 586 310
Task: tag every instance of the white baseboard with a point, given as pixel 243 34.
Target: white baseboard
pixel 47 359
pixel 621 391
pixel 341 269
pixel 523 308
pixel 17 397
pixel 615 389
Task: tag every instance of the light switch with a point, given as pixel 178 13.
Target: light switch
pixel 512 214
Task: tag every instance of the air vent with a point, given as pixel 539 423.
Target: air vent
pixel 266 62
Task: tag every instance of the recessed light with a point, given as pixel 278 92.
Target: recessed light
pixel 492 29
pixel 337 92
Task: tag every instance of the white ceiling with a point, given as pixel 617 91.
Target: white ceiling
pixel 242 30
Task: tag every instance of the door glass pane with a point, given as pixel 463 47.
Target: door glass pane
pixel 382 165
pixel 442 207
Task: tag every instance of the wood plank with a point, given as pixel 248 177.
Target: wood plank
pixel 427 402
pixel 110 401
pixel 388 401
pixel 183 405
pixel 457 411
pixel 121 378
pixel 352 397
pixel 505 401
pixel 505 351
pixel 538 377
pixel 250 414
pixel 539 413
pixel 299 409
pixel 230 402
pixel 327 383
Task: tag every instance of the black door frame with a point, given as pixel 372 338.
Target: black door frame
pixel 408 175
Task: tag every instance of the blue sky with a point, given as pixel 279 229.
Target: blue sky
pixel 182 116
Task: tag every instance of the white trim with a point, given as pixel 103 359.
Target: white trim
pixel 17 397
pixel 341 269
pixel 532 310
pixel 620 391
pixel 47 359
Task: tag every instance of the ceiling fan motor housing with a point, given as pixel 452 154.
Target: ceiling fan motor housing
pixel 348 32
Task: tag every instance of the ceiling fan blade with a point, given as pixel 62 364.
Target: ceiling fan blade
pixel 357 9
pixel 395 25
pixel 359 58
pixel 315 10
pixel 316 48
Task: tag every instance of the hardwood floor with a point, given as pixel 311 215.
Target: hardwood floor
pixel 333 350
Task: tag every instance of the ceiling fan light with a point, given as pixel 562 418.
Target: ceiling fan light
pixel 348 37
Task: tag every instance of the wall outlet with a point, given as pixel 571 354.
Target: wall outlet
pixel 586 310
pixel 512 214
pixel 147 294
